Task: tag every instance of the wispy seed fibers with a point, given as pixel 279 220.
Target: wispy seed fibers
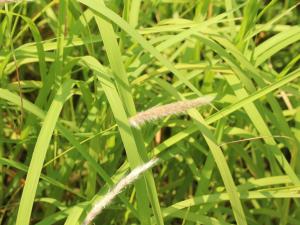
pixel 14 1
pixel 159 112
pixel 122 184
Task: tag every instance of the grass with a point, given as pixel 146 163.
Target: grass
pixel 73 73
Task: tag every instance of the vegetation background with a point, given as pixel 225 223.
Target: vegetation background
pixel 73 72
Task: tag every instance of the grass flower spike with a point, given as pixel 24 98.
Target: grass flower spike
pixel 13 1
pixel 159 112
pixel 123 183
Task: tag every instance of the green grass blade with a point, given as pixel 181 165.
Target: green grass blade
pixel 39 154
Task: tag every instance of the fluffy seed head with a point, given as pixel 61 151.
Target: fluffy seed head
pixel 158 112
pixel 120 186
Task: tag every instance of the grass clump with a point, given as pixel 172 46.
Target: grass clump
pixel 83 82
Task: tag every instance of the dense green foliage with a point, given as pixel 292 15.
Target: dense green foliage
pixel 73 71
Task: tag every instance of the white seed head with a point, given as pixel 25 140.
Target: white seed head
pixel 158 112
pixel 119 187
